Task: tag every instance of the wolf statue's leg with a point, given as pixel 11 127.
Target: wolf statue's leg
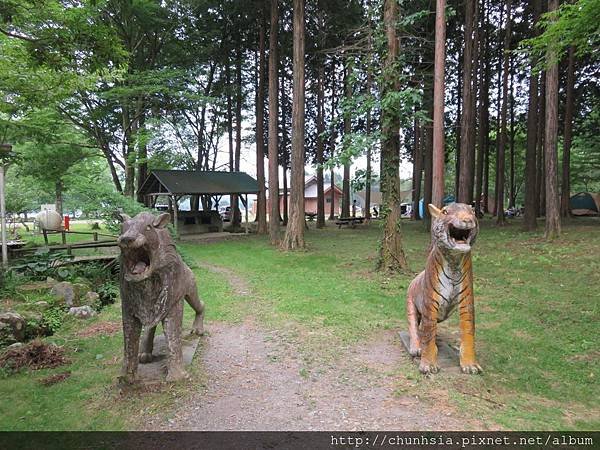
pixel 132 328
pixel 147 345
pixel 172 326
pixel 198 306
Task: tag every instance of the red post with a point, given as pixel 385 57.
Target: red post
pixel 67 223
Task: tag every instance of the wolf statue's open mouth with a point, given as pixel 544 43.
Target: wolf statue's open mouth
pixel 137 263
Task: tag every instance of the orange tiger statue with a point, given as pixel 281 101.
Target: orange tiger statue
pixel 446 282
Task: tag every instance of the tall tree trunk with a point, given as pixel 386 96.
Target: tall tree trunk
pixel 391 255
pixel 498 108
pixel 500 163
pixel 568 137
pixel 487 152
pixel 467 121
pixel 540 177
pixel 428 154
pixel 486 174
pixel 142 162
pixel 261 209
pixel 417 170
pixel 511 181
pixel 112 168
pixel 284 156
pixel 237 216
pixel 458 131
pixel 333 138
pixel 347 131
pixel 202 158
pixel 58 197
pixel 529 220
pixel 484 117
pixel 294 233
pixel 550 148
pixel 320 144
pixel 129 130
pixel 286 200
pixel 321 123
pixel 273 114
pixel 367 210
pixel 475 87
pixel 437 193
pixel 232 199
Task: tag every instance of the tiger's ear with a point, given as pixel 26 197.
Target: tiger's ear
pixel 434 211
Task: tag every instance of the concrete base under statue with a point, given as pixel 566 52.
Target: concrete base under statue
pixel 156 371
pixel 448 356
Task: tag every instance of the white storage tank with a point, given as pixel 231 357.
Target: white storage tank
pixel 49 220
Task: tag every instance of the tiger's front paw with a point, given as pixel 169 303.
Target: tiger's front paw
pixel 414 350
pixel 471 368
pixel 426 367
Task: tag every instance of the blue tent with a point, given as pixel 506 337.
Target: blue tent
pixel 447 200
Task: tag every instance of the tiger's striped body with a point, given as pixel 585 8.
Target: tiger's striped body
pixel 444 285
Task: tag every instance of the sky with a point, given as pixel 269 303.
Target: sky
pixel 248 160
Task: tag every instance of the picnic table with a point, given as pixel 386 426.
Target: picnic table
pixel 310 216
pixel 349 221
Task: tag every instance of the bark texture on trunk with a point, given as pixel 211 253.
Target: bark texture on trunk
pixel 483 113
pixel 347 130
pixel 294 233
pixel 568 135
pixel 500 163
pixel 261 207
pixel 417 170
pixel 320 146
pixel 529 219
pixel 321 125
pixel 437 192
pixel 333 138
pixel 367 211
pixel 391 255
pixel 237 214
pixel 428 157
pixel 273 114
pixel 467 119
pixel 541 131
pixel 142 163
pixel 58 196
pixel 553 226
pixel 511 180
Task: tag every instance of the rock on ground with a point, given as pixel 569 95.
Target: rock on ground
pixel 66 292
pixel 82 312
pixel 12 327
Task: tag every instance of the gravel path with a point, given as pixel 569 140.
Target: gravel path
pixel 257 380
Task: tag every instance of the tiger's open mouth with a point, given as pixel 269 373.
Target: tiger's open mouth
pixel 459 235
pixel 137 264
pixel 460 238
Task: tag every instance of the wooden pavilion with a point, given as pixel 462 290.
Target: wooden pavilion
pixel 175 184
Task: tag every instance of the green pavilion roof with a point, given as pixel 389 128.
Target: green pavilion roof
pixel 189 182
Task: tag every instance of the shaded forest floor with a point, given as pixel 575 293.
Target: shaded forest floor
pixel 308 340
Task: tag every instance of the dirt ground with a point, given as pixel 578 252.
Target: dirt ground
pixel 259 380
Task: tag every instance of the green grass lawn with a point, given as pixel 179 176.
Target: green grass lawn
pixel 537 305
pixel 537 308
